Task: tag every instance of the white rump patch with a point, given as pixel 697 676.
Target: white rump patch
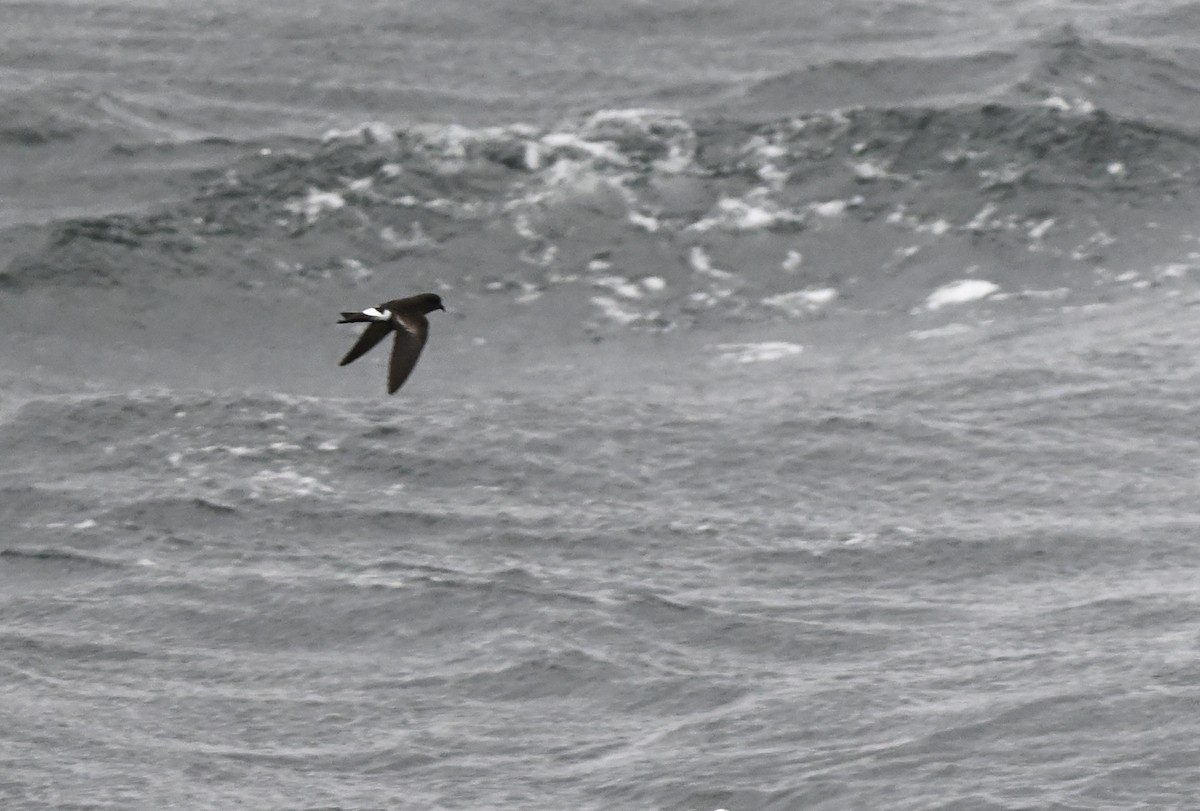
pixel 371 312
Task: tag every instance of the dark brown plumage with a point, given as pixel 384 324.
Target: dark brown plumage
pixel 405 317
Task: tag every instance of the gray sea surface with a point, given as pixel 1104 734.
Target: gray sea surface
pixel 813 424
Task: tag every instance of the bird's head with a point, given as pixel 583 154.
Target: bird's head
pixel 428 302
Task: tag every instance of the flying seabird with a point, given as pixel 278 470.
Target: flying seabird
pixel 405 316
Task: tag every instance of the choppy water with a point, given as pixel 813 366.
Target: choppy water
pixel 813 426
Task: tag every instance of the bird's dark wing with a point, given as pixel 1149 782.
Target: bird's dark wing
pixel 410 340
pixel 371 336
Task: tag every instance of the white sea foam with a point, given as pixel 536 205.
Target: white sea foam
pixel 868 170
pixel 702 263
pixel 372 132
pixel 316 203
pixel 417 238
pixel 1093 247
pixel 981 220
pixel 579 147
pixel 758 352
pixel 679 159
pixel 1007 175
pixel 830 208
pixel 272 485
pixel 542 256
pixel 646 222
pixel 945 331
pixel 1029 293
pixel 764 152
pixel 800 302
pixel 573 177
pixel 620 285
pixel 753 212
pixel 1176 270
pixel 1039 230
pixel 640 117
pixel 960 292
pixel 617 125
pixel 613 310
pixel 533 156
pixel 524 228
pixel 774 175
pixel 529 293
pixel 1076 105
pixel 792 261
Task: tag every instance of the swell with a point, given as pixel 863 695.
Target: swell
pixel 1064 66
pixel 57 557
pixel 548 473
pixel 651 221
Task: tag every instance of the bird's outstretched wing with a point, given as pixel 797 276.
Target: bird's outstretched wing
pixel 405 350
pixel 370 336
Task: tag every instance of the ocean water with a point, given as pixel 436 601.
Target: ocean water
pixel 813 424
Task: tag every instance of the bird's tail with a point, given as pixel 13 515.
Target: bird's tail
pixel 358 318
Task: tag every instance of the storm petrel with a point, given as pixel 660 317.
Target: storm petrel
pixel 404 316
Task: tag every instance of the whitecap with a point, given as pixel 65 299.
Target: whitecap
pixel 316 203
pixel 1175 270
pixel 758 352
pixel 799 302
pixel 701 263
pixel 960 292
pixel 570 142
pixel 939 332
pixel 755 212
pixel 1040 229
pixel 613 310
pixel 285 483
pixel 372 132
pixel 980 221
pixel 619 285
pixel 868 170
pixel 417 238
pixel 646 222
pixel 830 208
pixel 792 261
